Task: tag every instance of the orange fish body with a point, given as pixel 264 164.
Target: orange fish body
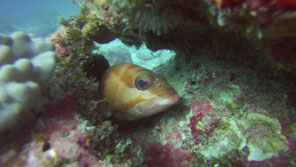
pixel 135 92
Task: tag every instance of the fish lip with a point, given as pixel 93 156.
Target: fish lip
pixel 172 94
pixel 175 98
pixel 161 102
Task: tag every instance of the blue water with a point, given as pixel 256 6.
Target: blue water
pixel 39 17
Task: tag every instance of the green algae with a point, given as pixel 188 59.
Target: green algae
pixel 292 127
pixel 111 145
pixel 260 134
pixel 264 138
pixel 228 139
pixel 238 128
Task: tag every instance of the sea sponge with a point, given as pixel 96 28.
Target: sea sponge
pixel 25 64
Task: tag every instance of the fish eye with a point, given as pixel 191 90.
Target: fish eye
pixel 143 82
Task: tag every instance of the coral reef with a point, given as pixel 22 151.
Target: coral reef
pixel 60 139
pixel 25 65
pixel 234 70
pixel 71 77
pixel 221 122
pixel 264 26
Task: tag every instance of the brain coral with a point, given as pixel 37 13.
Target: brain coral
pixel 25 63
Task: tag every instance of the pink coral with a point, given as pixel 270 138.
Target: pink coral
pixel 286 4
pixel 199 109
pixel 57 39
pixel 159 155
pixel 58 141
pixel 64 141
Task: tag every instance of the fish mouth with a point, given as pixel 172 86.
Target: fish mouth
pixel 167 99
pixel 158 103
pixel 149 107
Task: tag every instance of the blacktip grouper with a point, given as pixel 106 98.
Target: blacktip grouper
pixel 134 92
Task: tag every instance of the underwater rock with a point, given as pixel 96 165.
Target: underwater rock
pixel 219 124
pixel 191 25
pixel 60 137
pixel 264 137
pixel 58 140
pixel 236 130
pixel 96 67
pixel 103 36
pixel 258 133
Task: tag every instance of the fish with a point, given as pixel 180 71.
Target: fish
pixel 132 92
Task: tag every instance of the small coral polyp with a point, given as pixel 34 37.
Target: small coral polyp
pixel 25 64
